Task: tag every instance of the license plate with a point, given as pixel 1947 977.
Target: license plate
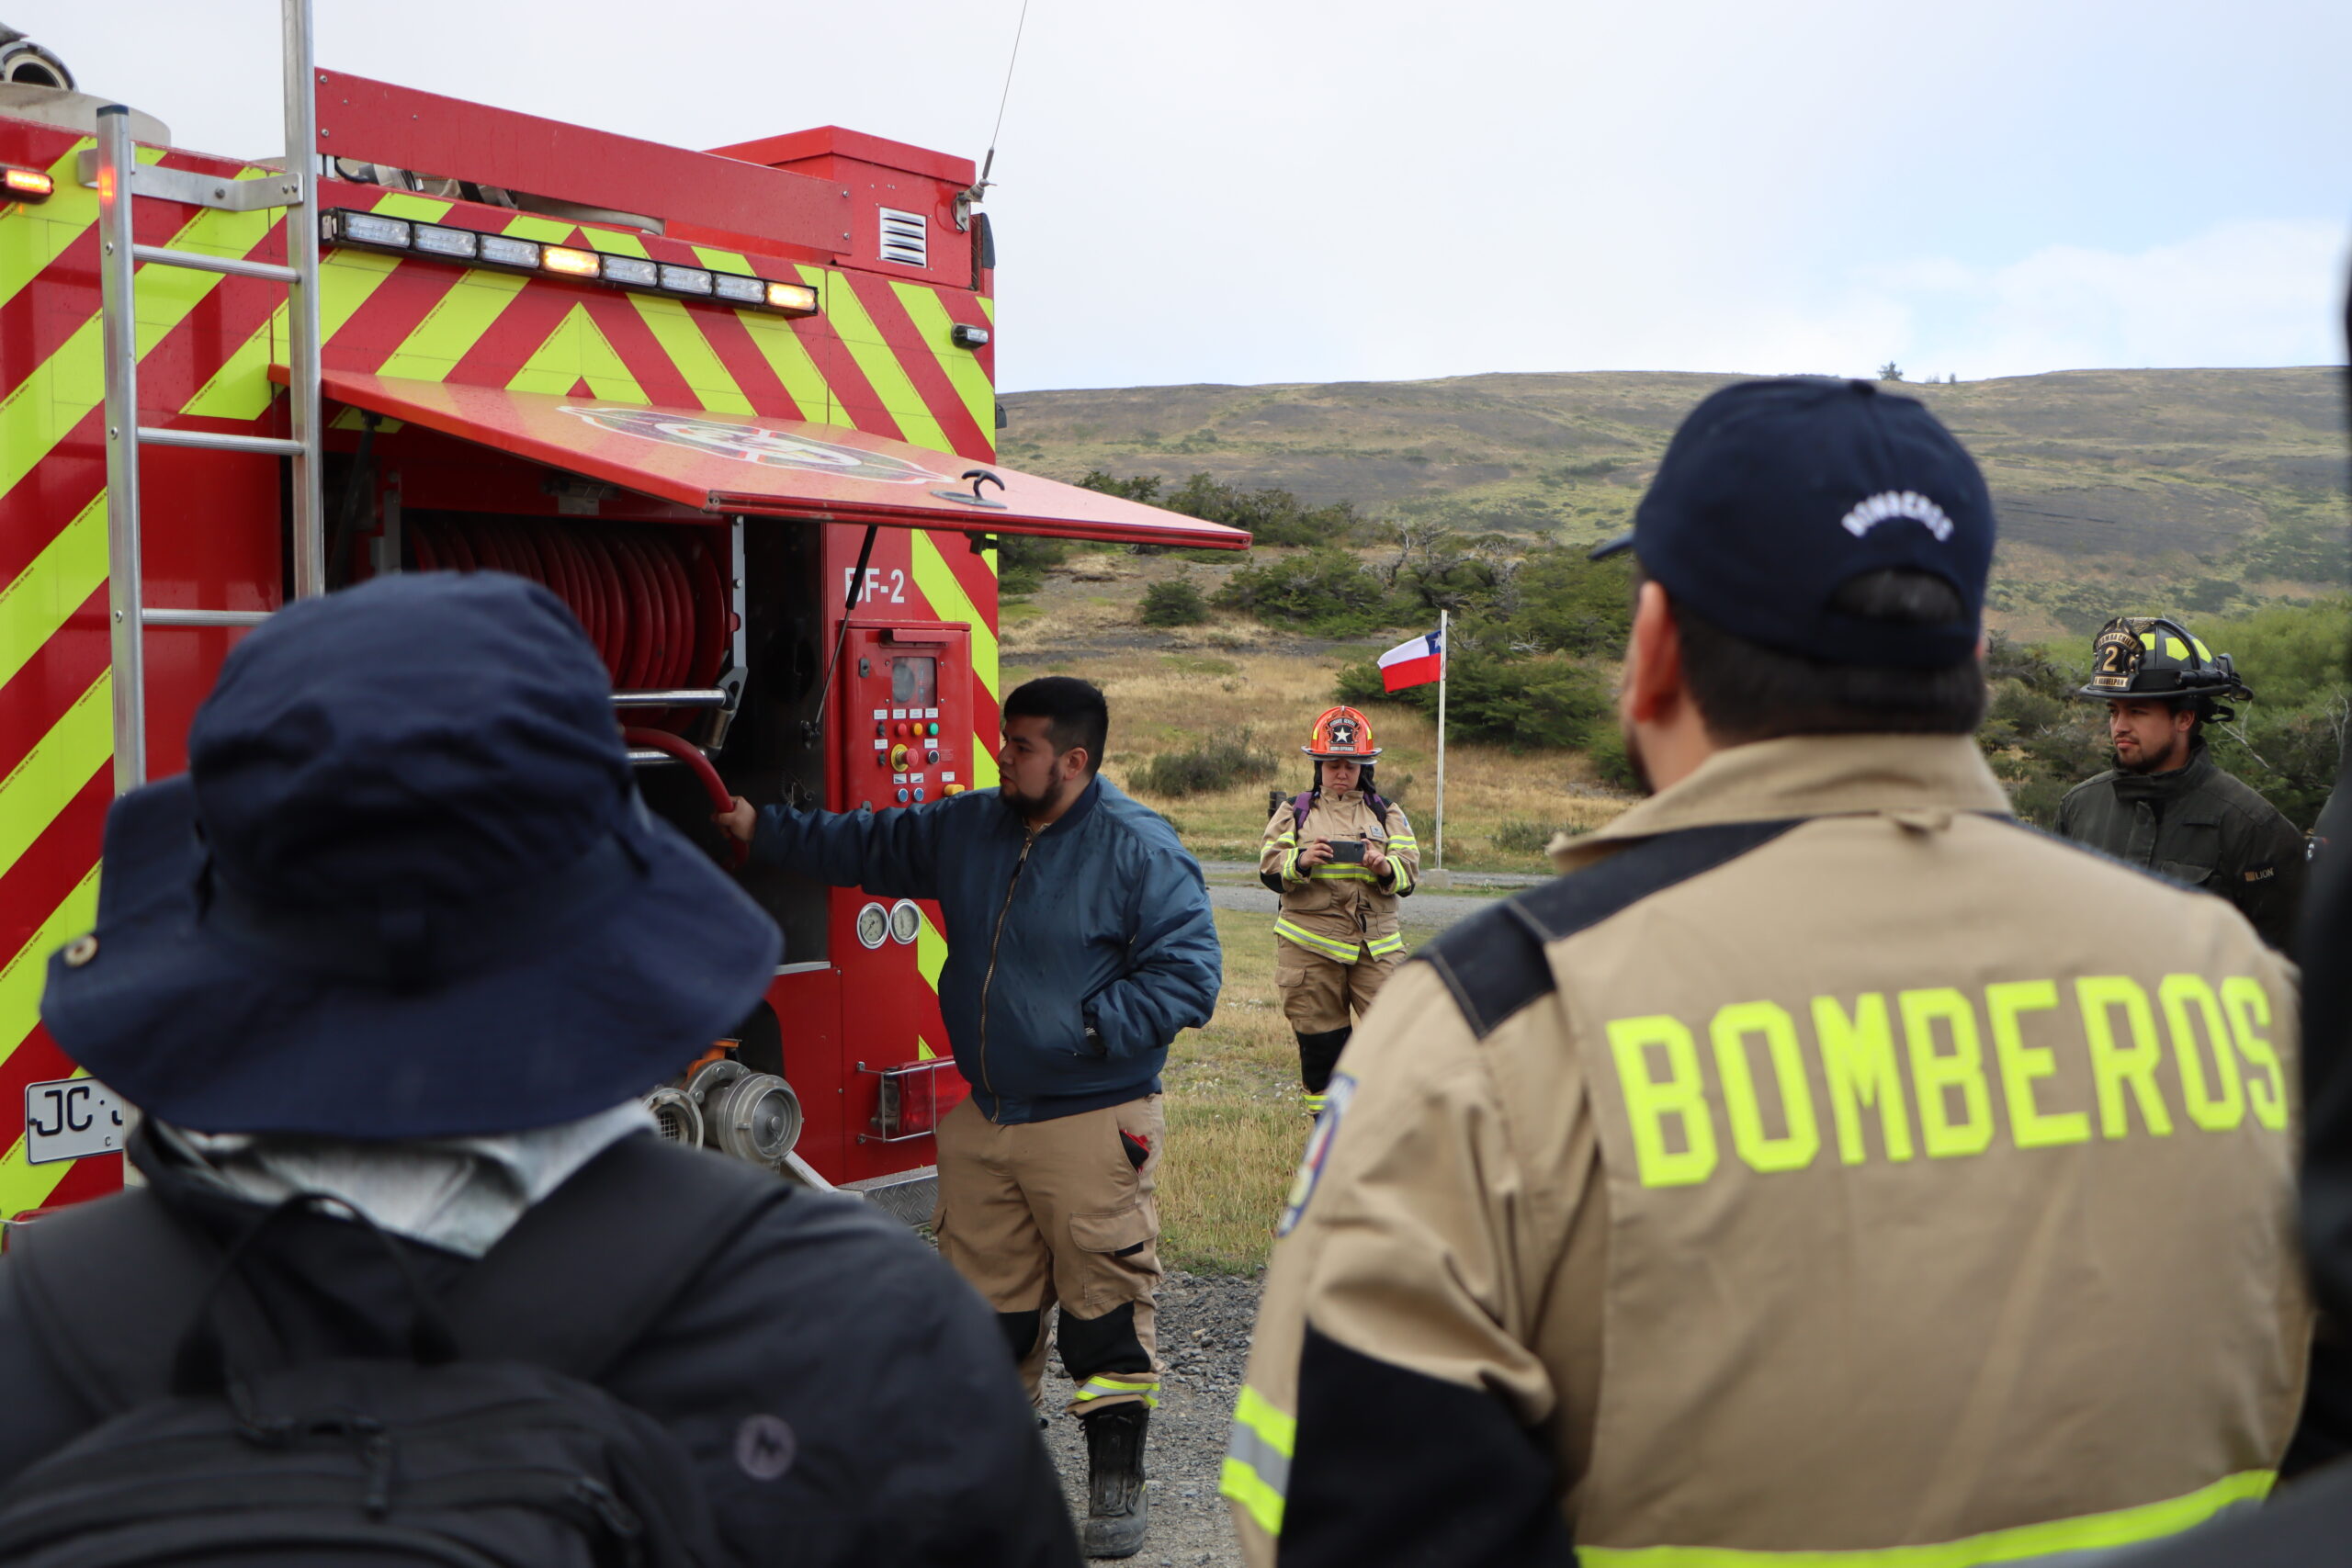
pixel 71 1119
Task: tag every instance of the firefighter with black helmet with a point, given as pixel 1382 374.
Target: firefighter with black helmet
pixel 2166 805
pixel 1341 857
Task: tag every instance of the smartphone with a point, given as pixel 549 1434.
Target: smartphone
pixel 1348 852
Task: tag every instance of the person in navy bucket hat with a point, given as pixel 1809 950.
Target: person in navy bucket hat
pixel 389 970
pixel 406 889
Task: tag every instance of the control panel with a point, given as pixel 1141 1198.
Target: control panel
pixel 906 714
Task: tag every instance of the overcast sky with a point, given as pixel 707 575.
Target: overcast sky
pixel 1213 190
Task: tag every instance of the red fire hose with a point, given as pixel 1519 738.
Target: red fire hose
pixel 722 799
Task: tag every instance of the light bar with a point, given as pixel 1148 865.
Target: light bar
pixel 435 240
pixel 449 242
pixel 28 184
pixel 569 263
pixel 510 252
pixel 794 299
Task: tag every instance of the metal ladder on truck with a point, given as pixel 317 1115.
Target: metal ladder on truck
pixel 121 179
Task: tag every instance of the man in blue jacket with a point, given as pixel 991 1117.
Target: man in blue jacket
pixel 1079 943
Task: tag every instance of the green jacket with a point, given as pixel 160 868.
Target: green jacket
pixel 2203 828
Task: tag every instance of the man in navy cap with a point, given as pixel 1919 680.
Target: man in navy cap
pixel 405 936
pixel 1827 1167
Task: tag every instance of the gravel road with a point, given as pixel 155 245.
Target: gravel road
pixel 1204 1344
pixel 1424 911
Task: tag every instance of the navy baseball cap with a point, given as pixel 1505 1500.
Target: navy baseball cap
pixel 1774 494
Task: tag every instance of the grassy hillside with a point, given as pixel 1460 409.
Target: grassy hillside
pixel 2196 491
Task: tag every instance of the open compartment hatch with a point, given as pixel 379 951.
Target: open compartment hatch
pixel 726 463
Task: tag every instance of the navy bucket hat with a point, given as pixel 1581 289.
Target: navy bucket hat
pixel 407 887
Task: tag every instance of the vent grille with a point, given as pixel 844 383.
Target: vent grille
pixel 906 238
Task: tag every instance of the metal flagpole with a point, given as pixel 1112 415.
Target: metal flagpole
pixel 1444 658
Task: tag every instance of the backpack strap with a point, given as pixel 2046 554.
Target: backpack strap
pixel 628 1236
pixel 109 1287
pixel 1301 804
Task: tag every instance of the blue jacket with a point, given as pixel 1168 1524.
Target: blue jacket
pixel 1101 921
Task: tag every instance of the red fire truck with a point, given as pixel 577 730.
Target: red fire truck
pixel 737 407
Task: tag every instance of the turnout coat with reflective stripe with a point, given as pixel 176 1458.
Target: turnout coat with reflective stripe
pixel 1337 908
pixel 1826 1164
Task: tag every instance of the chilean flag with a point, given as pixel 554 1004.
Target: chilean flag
pixel 1414 663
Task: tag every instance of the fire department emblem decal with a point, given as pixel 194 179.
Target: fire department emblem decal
pixel 1343 735
pixel 755 444
pixel 1319 1147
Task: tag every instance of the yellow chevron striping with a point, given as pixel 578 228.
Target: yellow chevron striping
pixel 33 237
pixel 929 313
pixel 722 261
pixel 987 308
pixel 408 203
pixel 57 583
pixel 454 325
pixel 577 349
pixel 547 230
pixel 21 981
pixel 674 327
pixel 614 244
pixel 54 771
pixel 64 388
pixel 878 360
pixel 950 602
pixel 794 365
pixel 26 1185
pixel 931 953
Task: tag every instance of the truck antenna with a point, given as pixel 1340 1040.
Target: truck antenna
pixel 979 190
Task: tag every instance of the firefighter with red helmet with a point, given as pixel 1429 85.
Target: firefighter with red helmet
pixel 1341 857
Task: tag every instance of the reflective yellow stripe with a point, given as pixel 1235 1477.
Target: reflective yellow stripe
pixel 1335 870
pixel 929 314
pixel 577 349
pixel 1110 1388
pixel 1290 865
pixel 1239 1481
pixel 1289 931
pixel 1256 1472
pixel 26 1185
pixel 1381 946
pixel 879 361
pixel 2124 1527
pixel 54 771
pixel 457 321
pixel 673 326
pixel 938 582
pixel 60 579
pixel 793 364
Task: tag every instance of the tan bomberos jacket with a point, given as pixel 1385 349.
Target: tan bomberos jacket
pixel 1828 1163
pixel 1337 909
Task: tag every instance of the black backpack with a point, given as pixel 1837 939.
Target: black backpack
pixel 487 1447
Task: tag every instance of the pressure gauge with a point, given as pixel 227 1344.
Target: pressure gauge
pixel 906 920
pixel 873 925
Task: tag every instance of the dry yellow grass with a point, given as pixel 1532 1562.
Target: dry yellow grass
pixel 1235 1126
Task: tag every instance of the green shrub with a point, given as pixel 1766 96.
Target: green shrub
pixel 1021 561
pixel 1174 604
pixel 1522 837
pixel 1322 591
pixel 1217 763
pixel 1273 516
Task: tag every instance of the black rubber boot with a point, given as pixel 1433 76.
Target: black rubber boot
pixel 1117 1506
pixel 1318 1056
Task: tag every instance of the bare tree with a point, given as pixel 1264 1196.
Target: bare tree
pixel 1890 371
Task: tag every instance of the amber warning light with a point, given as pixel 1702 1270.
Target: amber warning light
pixel 467 247
pixel 29 184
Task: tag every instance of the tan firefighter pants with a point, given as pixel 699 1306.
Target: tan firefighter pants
pixel 1317 992
pixel 1039 1214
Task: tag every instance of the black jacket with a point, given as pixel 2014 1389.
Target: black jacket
pixel 915 1445
pixel 2200 826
